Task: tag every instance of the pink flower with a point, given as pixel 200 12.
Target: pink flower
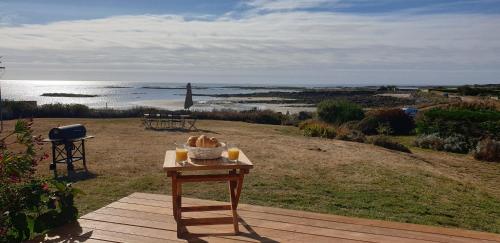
pixel 45 187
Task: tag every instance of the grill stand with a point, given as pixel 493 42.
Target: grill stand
pixel 68 151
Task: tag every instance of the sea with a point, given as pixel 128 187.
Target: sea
pixel 128 94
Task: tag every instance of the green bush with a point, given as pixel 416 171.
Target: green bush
pixel 338 112
pixel 397 120
pixel 18 109
pixel 63 110
pixel 458 144
pixel 430 141
pixel 29 205
pixel 386 142
pixel 488 150
pixel 467 122
pixel 313 128
pixel 457 114
pixel 455 143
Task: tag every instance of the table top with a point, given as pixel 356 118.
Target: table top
pixel 222 163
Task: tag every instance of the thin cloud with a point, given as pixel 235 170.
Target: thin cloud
pixel 281 44
pixel 274 5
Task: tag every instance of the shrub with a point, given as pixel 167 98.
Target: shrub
pixel 313 128
pixel 386 142
pixel 475 106
pixel 457 143
pixel 384 129
pixel 26 109
pixel 337 112
pixel 396 119
pixel 488 150
pixel 346 133
pixel 304 115
pixel 18 109
pixel 29 205
pixel 467 122
pixel 454 143
pixel 252 116
pixel 296 119
pixel 63 110
pixel 431 141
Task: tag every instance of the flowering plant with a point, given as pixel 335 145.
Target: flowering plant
pixel 29 206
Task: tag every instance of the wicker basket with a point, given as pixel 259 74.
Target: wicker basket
pixel 205 153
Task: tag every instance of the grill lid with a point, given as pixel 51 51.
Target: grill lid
pixel 68 132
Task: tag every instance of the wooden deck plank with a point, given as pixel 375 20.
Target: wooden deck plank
pixel 75 232
pixel 110 222
pixel 335 218
pixel 142 217
pixel 287 228
pixel 169 219
pixel 321 223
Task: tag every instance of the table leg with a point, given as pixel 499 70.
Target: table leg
pixel 235 191
pixel 174 196
pixel 238 189
pixel 179 200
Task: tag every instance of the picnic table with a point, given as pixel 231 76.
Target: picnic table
pixel 169 121
pixel 234 174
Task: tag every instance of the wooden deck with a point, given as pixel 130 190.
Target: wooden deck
pixel 143 217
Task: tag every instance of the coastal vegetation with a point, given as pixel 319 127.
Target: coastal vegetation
pixel 467 128
pixel 395 119
pixel 338 112
pixel 472 90
pixel 461 128
pixel 15 109
pixel 346 121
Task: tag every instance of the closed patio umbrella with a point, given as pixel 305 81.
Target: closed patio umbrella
pixel 189 97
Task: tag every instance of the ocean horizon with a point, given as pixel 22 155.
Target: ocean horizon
pixel 162 95
pixel 129 94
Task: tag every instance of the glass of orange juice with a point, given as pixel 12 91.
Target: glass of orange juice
pixel 181 154
pixel 233 153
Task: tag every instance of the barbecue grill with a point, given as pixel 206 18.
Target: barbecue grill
pixel 68 146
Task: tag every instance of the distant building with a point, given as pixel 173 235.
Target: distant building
pixel 410 111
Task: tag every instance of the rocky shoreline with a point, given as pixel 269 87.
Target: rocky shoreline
pixel 366 98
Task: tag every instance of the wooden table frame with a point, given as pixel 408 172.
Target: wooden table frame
pixel 234 176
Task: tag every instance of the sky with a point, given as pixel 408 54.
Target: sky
pixel 327 42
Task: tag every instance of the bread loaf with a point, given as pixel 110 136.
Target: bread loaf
pixel 205 142
pixel 192 141
pixel 214 142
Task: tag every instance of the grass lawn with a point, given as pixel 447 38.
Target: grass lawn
pixel 296 172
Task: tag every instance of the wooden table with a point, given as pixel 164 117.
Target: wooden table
pixel 234 173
